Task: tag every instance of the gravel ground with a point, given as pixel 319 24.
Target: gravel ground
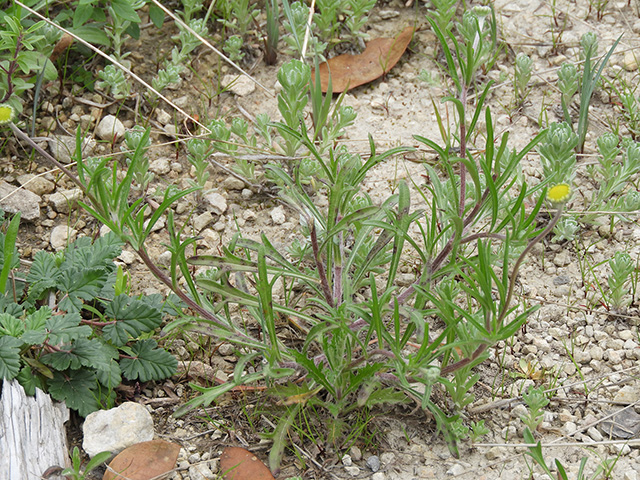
pixel 573 343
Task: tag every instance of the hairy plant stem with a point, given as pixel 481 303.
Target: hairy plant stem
pixel 463 149
pixel 319 265
pixel 13 66
pixel 159 274
pixel 435 265
pixel 505 307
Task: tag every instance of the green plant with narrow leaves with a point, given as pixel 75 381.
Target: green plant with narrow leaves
pixel 570 81
pixel 603 470
pixel 295 25
pixel 443 12
pixel 363 338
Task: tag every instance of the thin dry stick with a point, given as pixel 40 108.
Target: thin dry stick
pixel 115 62
pixel 208 44
pixel 307 32
pixel 509 401
pixel 634 442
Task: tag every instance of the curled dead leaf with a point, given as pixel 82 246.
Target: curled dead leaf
pixel 350 71
pixel 64 43
pixel 239 464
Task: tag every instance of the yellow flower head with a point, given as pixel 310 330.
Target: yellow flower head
pixel 559 193
pixel 6 113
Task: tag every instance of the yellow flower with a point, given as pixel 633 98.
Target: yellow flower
pixel 6 113
pixel 559 193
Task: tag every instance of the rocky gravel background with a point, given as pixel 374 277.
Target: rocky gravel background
pixel 590 355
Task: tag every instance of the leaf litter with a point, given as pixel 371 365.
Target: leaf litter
pixel 348 71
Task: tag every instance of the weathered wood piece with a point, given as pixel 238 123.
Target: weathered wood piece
pixel 32 433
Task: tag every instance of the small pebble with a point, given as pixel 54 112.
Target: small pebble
pixel 570 428
pixel 630 475
pixel 278 216
pixel 61 236
pixel 202 221
pixel 110 129
pixel 595 435
pixel 163 117
pixel 127 257
pixel 494 453
pixel 356 453
pixel 373 462
pixel 161 166
pixel 217 203
pixel 456 470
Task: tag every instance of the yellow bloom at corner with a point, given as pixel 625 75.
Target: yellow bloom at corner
pixel 6 113
pixel 559 193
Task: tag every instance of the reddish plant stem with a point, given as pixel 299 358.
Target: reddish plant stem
pixel 505 307
pixel 13 66
pixel 159 274
pixel 463 150
pixel 320 266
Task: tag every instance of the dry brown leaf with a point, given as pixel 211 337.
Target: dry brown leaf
pixel 64 43
pixel 239 464
pixel 350 71
pixel 143 461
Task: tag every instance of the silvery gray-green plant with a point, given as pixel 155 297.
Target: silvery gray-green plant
pixel 357 15
pixel 114 81
pixel 325 17
pixel 622 266
pixel 295 24
pixel 137 143
pixel 568 83
pixel 166 76
pixel 124 19
pixel 233 48
pixel 523 70
pixel 443 12
pixel 613 176
pixel 557 153
pixel 198 152
pixel 237 15
pixel 566 229
pixel 294 77
pixel 191 7
pixel 188 41
pixel 536 400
